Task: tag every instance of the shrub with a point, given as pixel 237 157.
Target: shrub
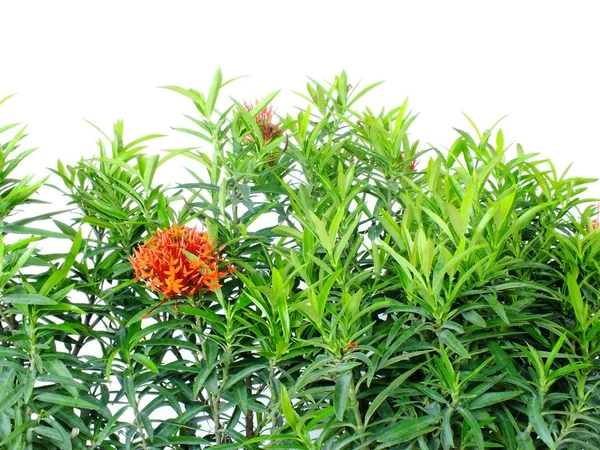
pixel 321 282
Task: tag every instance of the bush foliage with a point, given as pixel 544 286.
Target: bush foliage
pixel 356 290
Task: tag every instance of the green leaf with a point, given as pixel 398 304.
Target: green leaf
pixel 537 421
pixel 147 424
pixel 262 104
pixel 474 318
pixel 281 301
pixel 63 400
pixel 577 300
pixel 408 430
pixel 497 307
pixel 108 428
pixel 389 390
pixel 196 97
pixel 242 374
pixel 340 394
pixel 448 338
pixel 446 434
pixel 491 398
pixel 62 273
pixel 320 231
pixel 27 299
pixel 213 93
pixel 554 352
pixel 29 384
pixel 64 439
pixel 363 92
pixel 53 435
pixel 189 440
pixel 200 380
pixel 2 100
pixel 10 397
pixel 474 426
pixel 288 409
pixel 109 362
pixel 18 431
pixel 284 230
pixel 524 441
pixel 391 226
pixel 57 367
pixel 6 276
pixel 18 229
pixel 145 361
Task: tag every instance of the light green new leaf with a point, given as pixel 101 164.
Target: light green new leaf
pixel 288 409
pixel 62 273
pixel 579 307
pixel 145 361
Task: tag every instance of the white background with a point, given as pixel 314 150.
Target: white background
pixel 534 61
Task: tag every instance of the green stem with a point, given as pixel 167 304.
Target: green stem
pixel 356 409
pixel 249 425
pixel 140 428
pixel 32 338
pixel 389 196
pixel 234 205
pixel 215 172
pixel 214 398
pixel 272 389
pixel 217 401
pixel 138 421
pixel 216 418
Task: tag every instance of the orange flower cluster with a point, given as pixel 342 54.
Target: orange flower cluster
pixel 264 120
pixel 178 261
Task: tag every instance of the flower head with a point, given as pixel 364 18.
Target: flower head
pixel 179 262
pixel 413 164
pixel 596 221
pixel 264 120
pixel 266 115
